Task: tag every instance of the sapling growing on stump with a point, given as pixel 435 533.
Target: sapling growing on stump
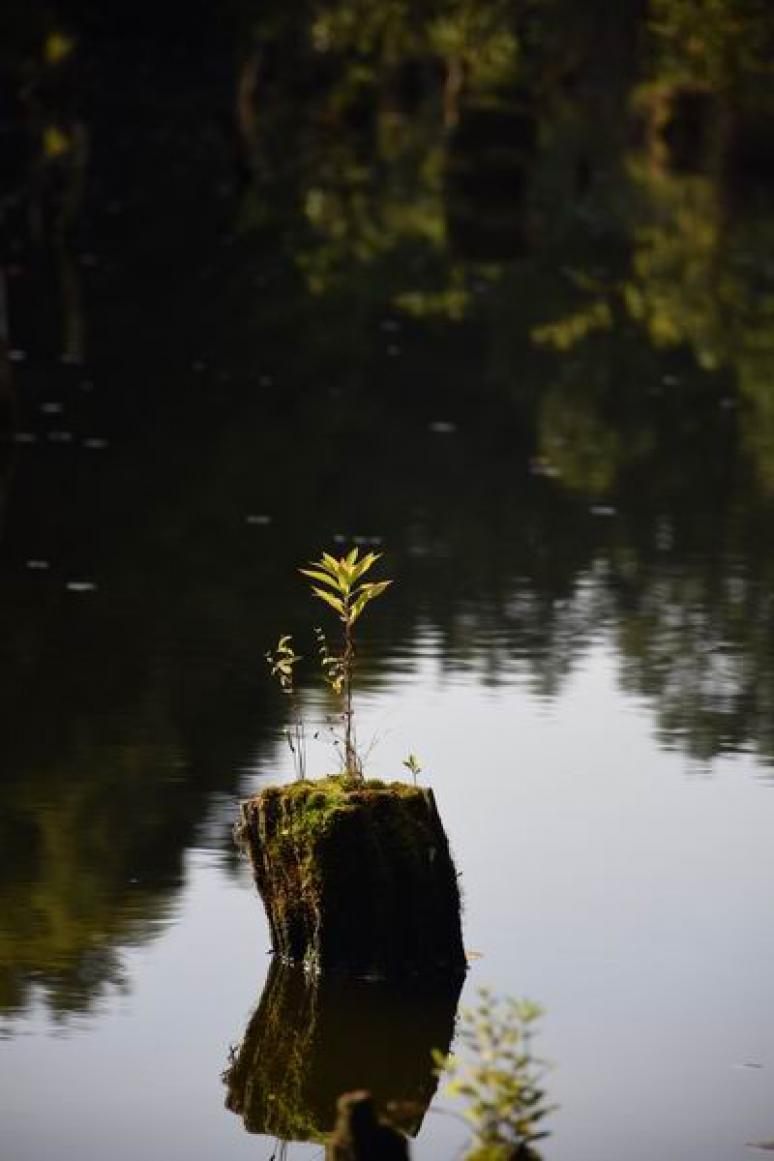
pixel 282 660
pixel 347 594
pixel 413 765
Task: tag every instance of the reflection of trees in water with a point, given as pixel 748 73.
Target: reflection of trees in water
pixel 379 172
pixel 598 365
pixel 44 179
pixel 696 643
pixel 512 573
pixel 144 715
pixel 698 170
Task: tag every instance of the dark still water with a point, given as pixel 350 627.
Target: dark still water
pixel 490 289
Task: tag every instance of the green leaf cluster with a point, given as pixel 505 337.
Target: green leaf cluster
pixel 347 594
pixel 281 660
pixel 345 591
pixel 413 765
pixel 339 583
pixel 499 1077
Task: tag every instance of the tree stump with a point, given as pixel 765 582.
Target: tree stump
pixel 356 877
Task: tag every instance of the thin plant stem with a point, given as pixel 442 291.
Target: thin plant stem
pixel 349 664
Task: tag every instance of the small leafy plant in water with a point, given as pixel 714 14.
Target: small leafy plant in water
pixel 339 583
pixel 501 1079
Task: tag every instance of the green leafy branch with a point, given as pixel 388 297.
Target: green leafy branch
pixel 501 1079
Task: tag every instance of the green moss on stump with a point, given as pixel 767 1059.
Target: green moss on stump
pixel 356 876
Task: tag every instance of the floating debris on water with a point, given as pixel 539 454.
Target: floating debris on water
pixel 81 587
pixel 602 510
pixel 87 385
pixel 95 444
pixel 25 437
pixel 52 408
pixel 749 1064
pixel 15 355
pixel 37 565
pixel 389 325
pixel 393 350
pixel 442 427
pixel 768 1146
pixel 266 381
pixel 261 521
pixel 671 380
pixel 60 437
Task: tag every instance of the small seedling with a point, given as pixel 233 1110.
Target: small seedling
pixel 348 595
pixel 413 765
pixel 282 661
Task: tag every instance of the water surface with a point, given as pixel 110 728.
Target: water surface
pixel 524 351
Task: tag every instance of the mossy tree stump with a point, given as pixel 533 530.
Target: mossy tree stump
pixel 356 876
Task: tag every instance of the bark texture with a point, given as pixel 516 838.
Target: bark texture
pixel 356 877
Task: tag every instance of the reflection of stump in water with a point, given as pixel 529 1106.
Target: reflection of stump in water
pixel 314 1037
pixel 360 1133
